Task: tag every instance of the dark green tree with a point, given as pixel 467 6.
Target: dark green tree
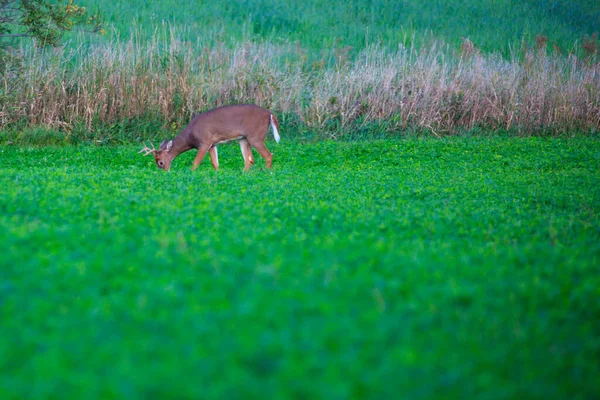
pixel 44 20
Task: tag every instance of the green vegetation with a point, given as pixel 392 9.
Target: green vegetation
pixel 447 259
pixel 452 268
pixel 492 25
pixel 45 21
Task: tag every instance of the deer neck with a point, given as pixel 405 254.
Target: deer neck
pixel 180 144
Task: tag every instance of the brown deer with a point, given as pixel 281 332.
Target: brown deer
pixel 245 123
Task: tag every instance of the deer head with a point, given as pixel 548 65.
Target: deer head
pixel 161 156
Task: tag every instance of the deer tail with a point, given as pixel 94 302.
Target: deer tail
pixel 275 126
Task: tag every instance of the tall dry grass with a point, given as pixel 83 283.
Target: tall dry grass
pixel 437 88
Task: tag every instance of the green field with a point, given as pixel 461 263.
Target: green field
pixel 430 228
pixel 416 268
pixel 499 25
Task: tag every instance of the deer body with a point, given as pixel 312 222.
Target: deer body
pixel 246 123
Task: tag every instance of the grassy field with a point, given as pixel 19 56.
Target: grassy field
pixel 497 25
pixel 439 256
pixel 417 268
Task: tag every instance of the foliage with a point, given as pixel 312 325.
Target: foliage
pixel 45 20
pixel 452 268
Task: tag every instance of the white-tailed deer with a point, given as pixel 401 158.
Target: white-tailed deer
pixel 246 123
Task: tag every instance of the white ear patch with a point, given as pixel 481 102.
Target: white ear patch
pixel 169 145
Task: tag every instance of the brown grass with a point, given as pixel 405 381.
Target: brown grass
pixel 438 89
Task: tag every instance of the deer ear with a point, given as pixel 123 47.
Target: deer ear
pixel 162 145
pixel 169 145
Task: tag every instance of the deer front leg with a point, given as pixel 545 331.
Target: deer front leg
pixel 199 156
pixel 214 157
pixel 247 154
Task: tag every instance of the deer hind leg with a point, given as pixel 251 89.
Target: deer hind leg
pixel 199 156
pixel 247 154
pixel 214 157
pixel 264 152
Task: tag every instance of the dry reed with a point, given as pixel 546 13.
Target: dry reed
pixel 437 89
